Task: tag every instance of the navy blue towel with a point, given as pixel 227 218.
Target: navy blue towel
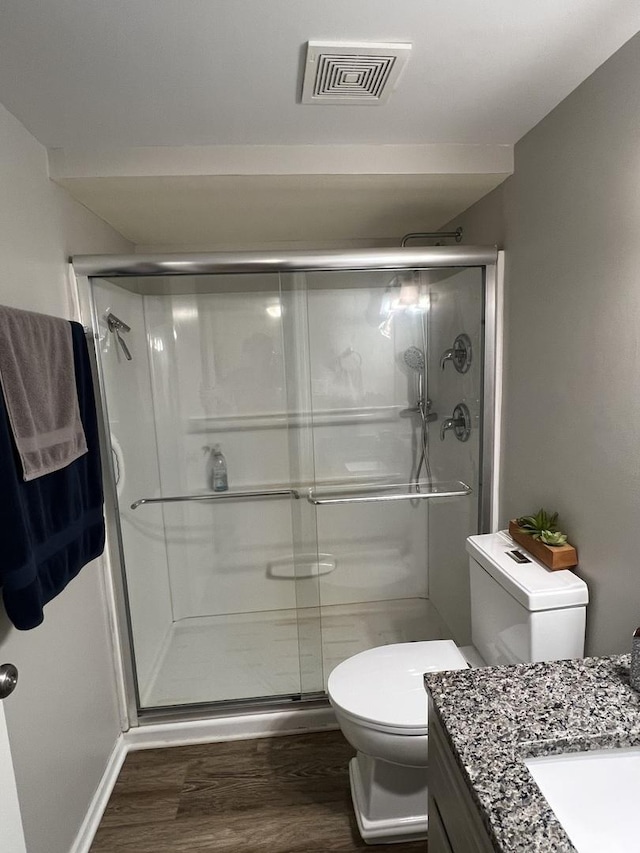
pixel 52 526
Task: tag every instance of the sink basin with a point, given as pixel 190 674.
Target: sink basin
pixel 594 795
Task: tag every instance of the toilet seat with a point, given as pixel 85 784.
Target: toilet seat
pixel 383 689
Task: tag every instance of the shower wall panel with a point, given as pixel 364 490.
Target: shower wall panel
pixel 131 421
pixel 456 307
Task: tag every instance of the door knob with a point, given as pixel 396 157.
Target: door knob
pixel 8 679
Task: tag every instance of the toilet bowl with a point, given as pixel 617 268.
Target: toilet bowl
pixel 380 705
pixel 520 611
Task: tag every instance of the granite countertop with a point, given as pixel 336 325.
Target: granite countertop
pixel 495 717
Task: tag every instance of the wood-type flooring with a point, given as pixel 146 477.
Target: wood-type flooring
pixel 273 795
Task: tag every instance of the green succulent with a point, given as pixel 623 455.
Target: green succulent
pixel 542 520
pixel 542 526
pixel 551 538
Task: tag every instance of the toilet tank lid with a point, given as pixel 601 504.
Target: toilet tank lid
pixel 531 584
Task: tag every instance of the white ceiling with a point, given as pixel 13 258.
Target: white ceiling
pixel 100 79
pixel 105 73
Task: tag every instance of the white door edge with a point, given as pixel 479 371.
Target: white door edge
pixel 11 829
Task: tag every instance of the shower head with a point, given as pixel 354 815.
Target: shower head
pixel 414 358
pixel 116 325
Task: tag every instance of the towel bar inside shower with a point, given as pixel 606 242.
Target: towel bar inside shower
pixel 323 497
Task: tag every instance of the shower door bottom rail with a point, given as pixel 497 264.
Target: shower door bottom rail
pixel 364 494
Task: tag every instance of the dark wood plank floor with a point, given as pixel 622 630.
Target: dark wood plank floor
pixel 273 795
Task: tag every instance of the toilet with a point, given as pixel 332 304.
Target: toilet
pixel 520 612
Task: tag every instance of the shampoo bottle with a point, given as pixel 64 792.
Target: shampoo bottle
pixel 218 470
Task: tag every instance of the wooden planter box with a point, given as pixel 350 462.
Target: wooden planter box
pixel 554 557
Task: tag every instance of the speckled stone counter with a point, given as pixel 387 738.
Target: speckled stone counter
pixel 496 717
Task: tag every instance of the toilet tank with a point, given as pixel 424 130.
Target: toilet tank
pixel 522 612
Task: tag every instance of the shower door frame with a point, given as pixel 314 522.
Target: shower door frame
pixel 86 267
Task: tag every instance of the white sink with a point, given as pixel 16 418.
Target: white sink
pixel 595 796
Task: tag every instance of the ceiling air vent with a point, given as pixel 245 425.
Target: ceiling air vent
pixel 356 73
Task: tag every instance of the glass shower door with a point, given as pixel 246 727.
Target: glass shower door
pixel 215 580
pixel 391 545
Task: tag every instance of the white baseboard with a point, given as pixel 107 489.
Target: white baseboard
pixel 100 799
pixel 243 727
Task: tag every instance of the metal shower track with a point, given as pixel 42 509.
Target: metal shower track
pixel 212 263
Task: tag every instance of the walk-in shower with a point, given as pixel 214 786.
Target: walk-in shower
pixel 345 519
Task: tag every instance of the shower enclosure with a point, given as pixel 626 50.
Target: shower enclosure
pixel 358 442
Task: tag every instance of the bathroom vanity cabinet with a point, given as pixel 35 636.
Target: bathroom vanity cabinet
pixel 455 825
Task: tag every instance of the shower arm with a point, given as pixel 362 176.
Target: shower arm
pixel 432 235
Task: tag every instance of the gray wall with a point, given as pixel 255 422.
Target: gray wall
pixel 62 719
pixel 569 219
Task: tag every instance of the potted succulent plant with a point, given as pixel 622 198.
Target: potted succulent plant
pixel 539 534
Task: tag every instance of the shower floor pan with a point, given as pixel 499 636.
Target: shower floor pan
pixel 257 655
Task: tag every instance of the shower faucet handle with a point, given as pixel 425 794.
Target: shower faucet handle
pixel 447 355
pixel 447 424
pixel 460 354
pixel 459 422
